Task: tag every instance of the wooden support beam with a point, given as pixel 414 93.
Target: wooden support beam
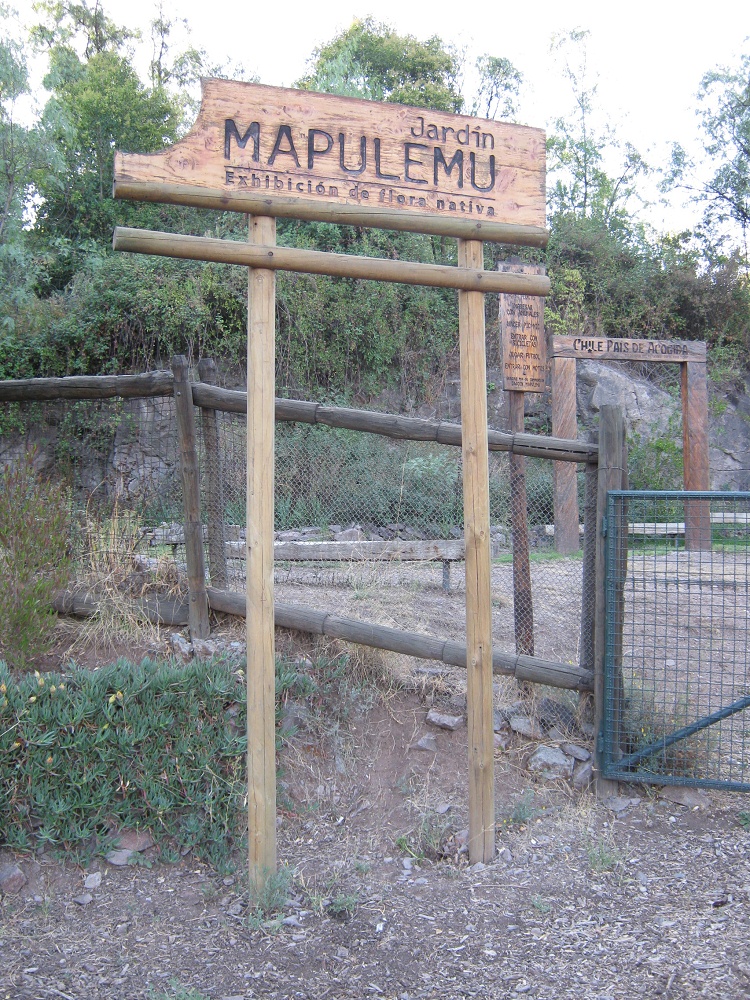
pixel 565 479
pixel 523 607
pixel 217 556
pixel 695 458
pixel 426 647
pixel 609 477
pixel 477 537
pixel 588 586
pixel 27 390
pixel 316 262
pixel 396 426
pixel 261 658
pixel 342 215
pixel 191 499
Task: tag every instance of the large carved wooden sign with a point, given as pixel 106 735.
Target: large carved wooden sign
pixel 256 147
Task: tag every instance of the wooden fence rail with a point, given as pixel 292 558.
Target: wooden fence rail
pixel 160 383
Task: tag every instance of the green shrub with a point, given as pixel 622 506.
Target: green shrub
pixel 34 558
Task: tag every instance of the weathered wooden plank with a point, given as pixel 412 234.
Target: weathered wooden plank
pixel 695 453
pixel 191 499
pixel 396 426
pixel 523 605
pixel 565 477
pixel 24 390
pixel 476 492
pixel 627 349
pixel 610 477
pixel 81 603
pixel 217 557
pixel 397 550
pixel 261 658
pixel 588 585
pixel 306 619
pixel 317 262
pixel 263 148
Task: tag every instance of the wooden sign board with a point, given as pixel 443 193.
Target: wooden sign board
pixel 628 349
pixel 522 337
pixel 268 150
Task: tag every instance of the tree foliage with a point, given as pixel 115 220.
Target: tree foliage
pixel 370 60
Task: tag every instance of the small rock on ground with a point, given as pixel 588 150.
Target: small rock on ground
pixel 573 750
pixel 525 726
pixel 583 775
pixel 11 879
pixel 444 721
pixel 551 762
pixel 683 796
pixel 427 743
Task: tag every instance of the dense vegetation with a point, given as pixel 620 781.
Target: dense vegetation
pixel 68 304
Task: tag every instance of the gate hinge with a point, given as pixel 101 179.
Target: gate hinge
pixel 604 527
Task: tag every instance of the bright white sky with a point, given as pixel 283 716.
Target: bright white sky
pixel 648 56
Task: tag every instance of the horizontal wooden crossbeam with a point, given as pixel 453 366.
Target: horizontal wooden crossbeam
pixel 461 226
pixel 334 264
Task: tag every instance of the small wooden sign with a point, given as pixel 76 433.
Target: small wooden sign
pixel 522 337
pixel 252 142
pixel 628 349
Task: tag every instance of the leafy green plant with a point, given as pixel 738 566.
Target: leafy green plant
pixel 343 905
pixel 177 992
pixel 34 558
pixel 268 897
pixel 155 746
pixel 744 819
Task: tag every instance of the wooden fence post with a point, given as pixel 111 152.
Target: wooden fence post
pixel 477 536
pixel 217 555
pixel 191 500
pixel 610 477
pixel 565 478
pixel 695 456
pixel 588 587
pixel 261 660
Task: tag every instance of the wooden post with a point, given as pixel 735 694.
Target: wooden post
pixel 191 500
pixel 523 607
pixel 565 478
pixel 477 540
pixel 611 452
pixel 588 587
pixel 695 452
pixel 217 556
pixel 261 661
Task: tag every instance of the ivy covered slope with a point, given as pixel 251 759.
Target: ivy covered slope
pixel 68 304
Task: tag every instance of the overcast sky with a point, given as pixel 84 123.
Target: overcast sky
pixel 648 57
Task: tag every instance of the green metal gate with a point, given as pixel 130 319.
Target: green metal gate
pixel 676 676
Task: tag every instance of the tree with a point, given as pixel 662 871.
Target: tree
pixel 725 97
pixel 577 151
pixel 370 60
pixel 499 84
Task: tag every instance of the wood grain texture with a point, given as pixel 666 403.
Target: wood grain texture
pixel 477 538
pixel 306 619
pixel 23 390
pixel 261 659
pixel 323 150
pixel 609 477
pixel 318 262
pixel 564 476
pixel 191 499
pixel 396 426
pixel 695 453
pixel 523 604
pixel 522 340
pixel 627 349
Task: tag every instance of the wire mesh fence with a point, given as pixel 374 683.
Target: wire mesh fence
pixel 677 686
pixel 120 459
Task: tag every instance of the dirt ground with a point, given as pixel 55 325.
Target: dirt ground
pixel 641 894
pixel 635 896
